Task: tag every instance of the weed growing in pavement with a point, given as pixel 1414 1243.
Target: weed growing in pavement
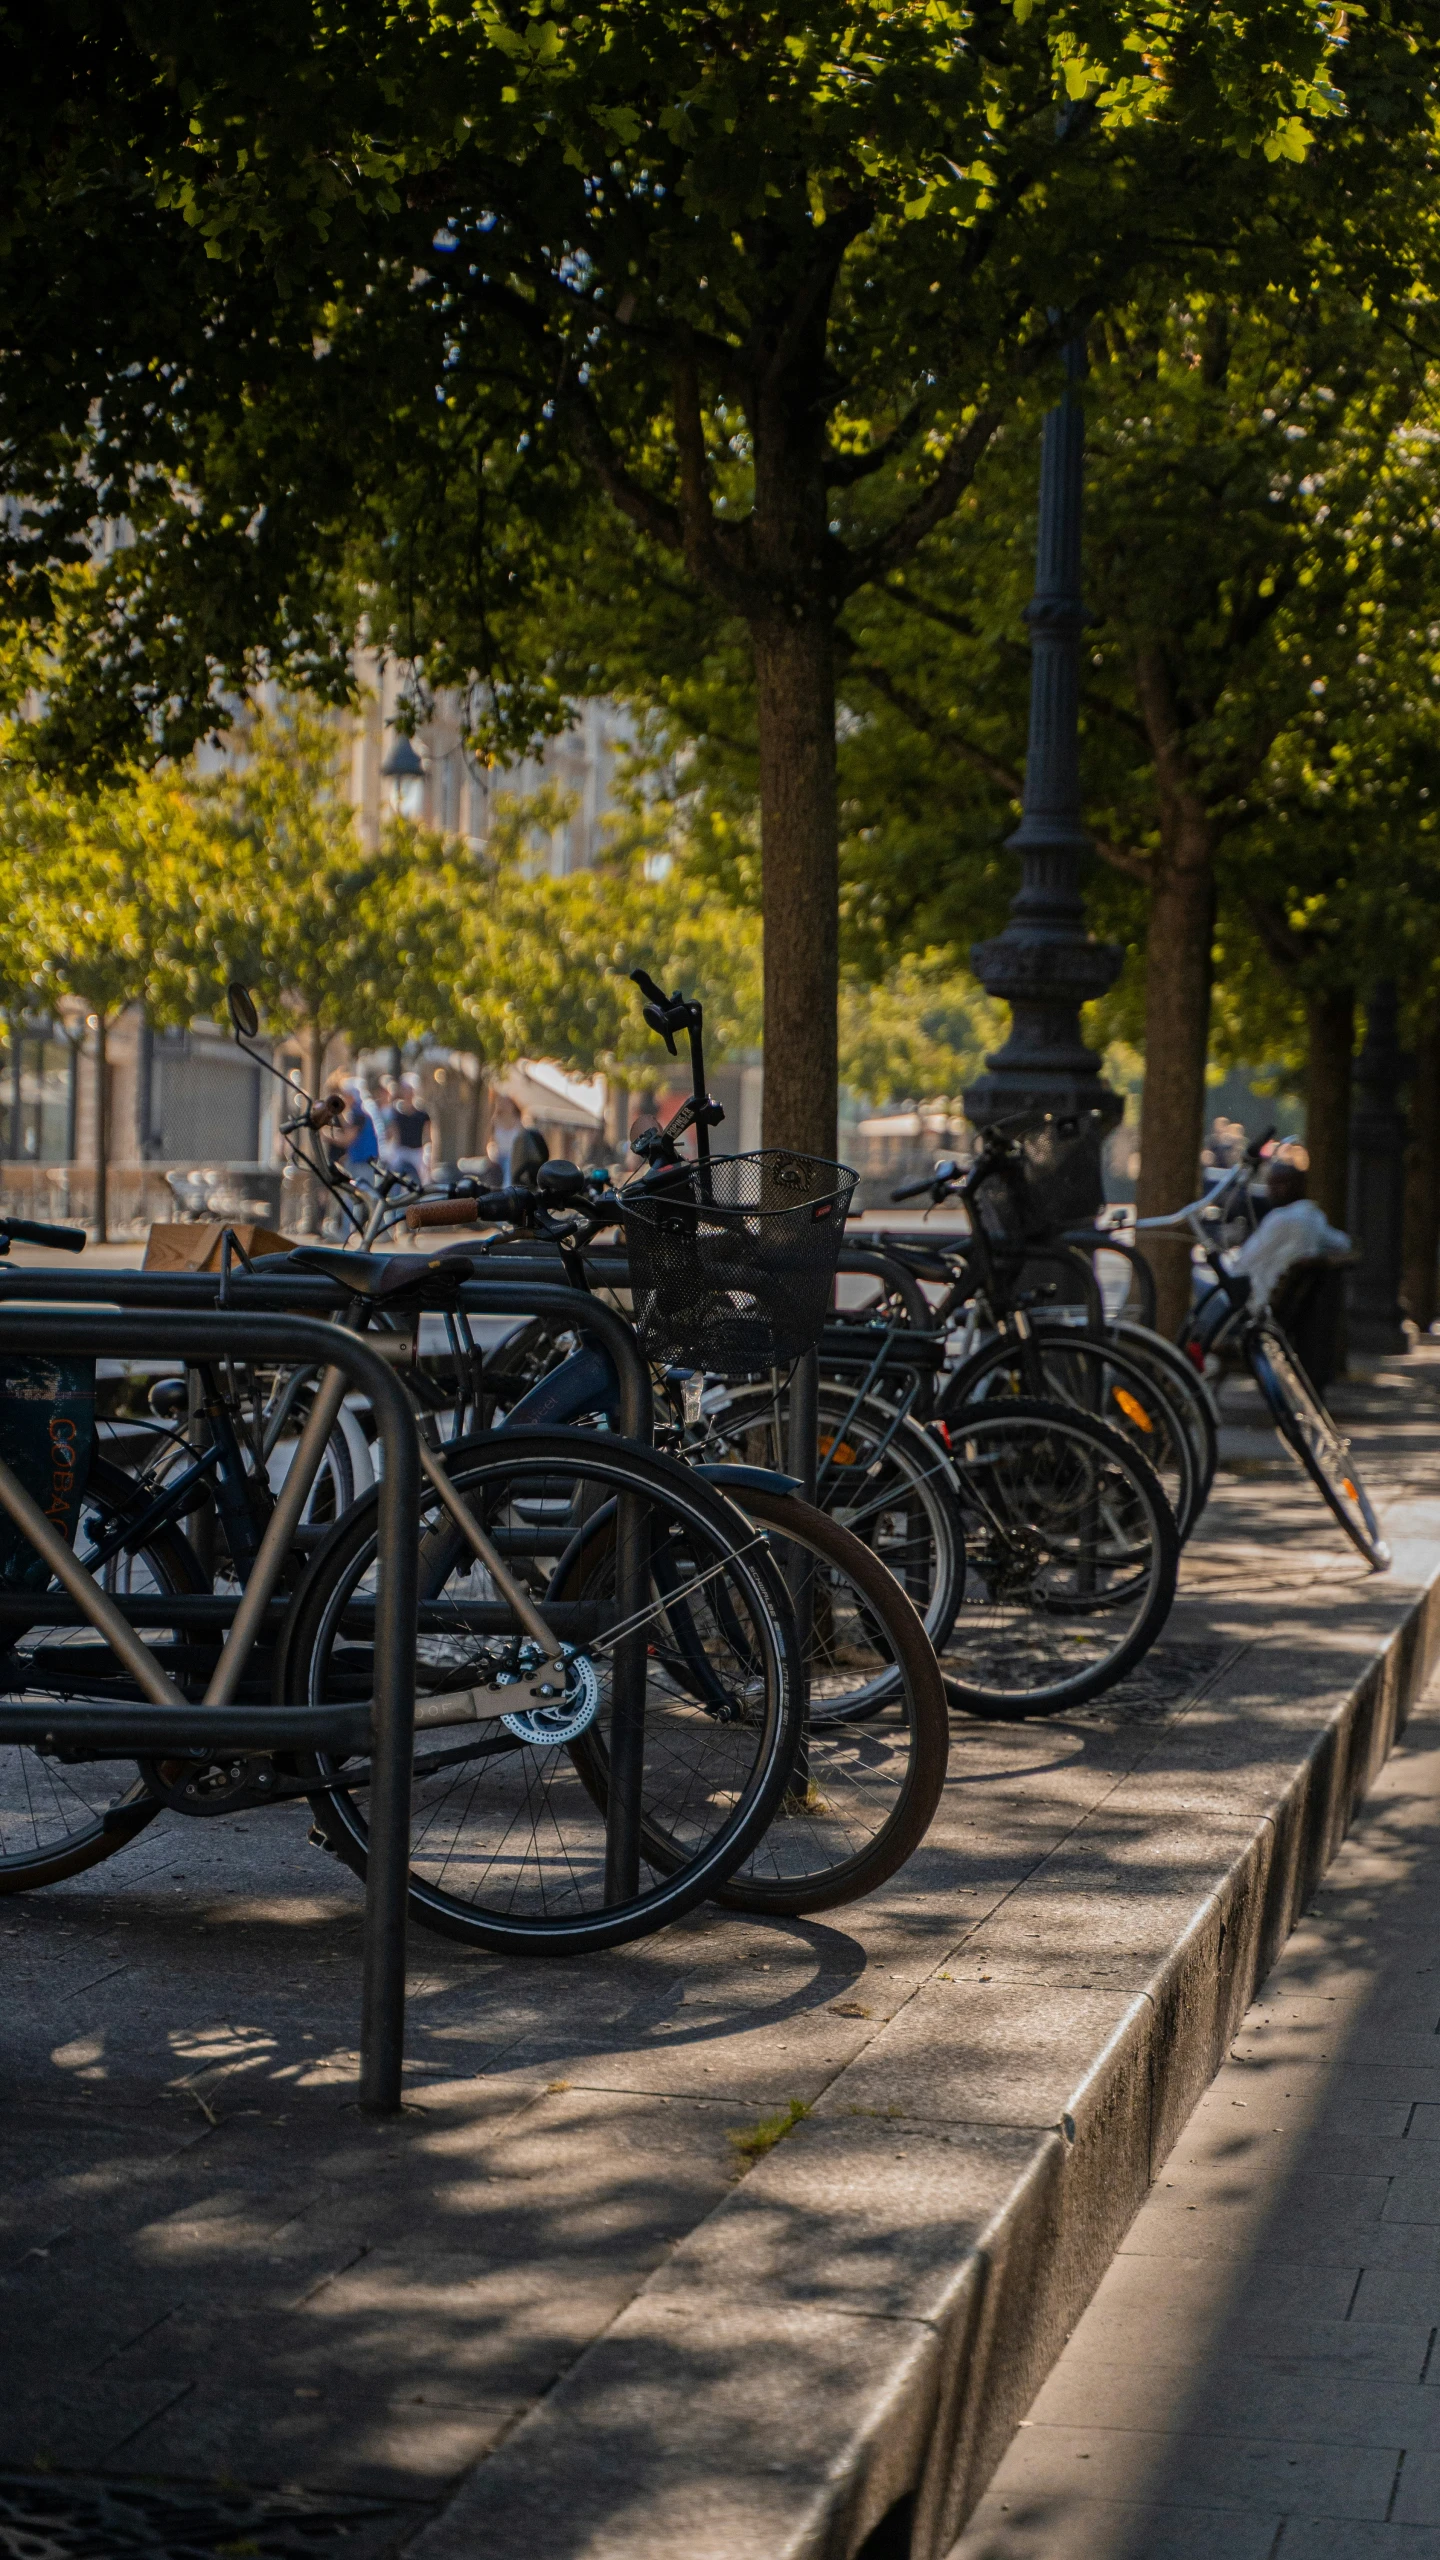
pixel 753 2141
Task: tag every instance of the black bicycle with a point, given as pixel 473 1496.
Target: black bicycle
pixel 1033 1174
pixel 1227 1317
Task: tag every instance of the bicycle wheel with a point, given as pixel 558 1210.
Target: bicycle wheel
pixel 1092 1373
pixel 872 1764
pixel 1187 1390
pixel 878 1736
pixel 1309 1430
pixel 508 1841
pixel 1178 1379
pixel 1071 1557
pixel 59 1815
pixel 881 1477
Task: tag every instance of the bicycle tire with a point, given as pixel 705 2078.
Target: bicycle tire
pixel 1016 1498
pixel 735 1780
pixel 871 1782
pixel 838 1740
pixel 1187 1387
pixel 1307 1427
pixel 100 1828
pixel 886 1476
pixel 1180 1380
pixel 1090 1372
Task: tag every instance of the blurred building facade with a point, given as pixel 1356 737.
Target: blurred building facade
pixel 191 1102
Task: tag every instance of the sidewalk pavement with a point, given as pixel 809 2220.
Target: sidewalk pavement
pixel 1257 2375
pixel 550 2307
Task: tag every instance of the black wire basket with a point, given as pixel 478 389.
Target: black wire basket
pixel 732 1263
pixel 1053 1178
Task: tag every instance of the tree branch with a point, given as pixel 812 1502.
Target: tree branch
pixel 843 470
pixel 1127 858
pixel 1278 938
pixel 707 543
pixel 649 513
pixel 912 709
pixel 958 465
pixel 832 240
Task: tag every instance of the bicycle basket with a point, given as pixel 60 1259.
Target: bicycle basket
pixel 732 1264
pixel 1054 1178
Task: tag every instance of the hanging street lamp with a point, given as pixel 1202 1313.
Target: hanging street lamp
pixel 405 773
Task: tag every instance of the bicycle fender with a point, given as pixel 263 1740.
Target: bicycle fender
pixel 750 1479
pixel 582 1384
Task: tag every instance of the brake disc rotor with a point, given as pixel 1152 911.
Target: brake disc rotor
pixel 548 1727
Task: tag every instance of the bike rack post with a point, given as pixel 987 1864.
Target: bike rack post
pixel 161 1724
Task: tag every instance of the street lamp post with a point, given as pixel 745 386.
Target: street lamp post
pixel 1045 964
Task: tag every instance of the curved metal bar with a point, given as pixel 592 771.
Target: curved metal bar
pixel 528 1290
pixel 215 1336
pixel 898 1278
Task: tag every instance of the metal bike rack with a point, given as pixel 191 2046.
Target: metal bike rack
pixel 168 1722
pixel 522 1293
pixel 508 1293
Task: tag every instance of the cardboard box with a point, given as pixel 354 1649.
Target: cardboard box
pixel 195 1246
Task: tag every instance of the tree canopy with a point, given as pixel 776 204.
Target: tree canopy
pixel 353 313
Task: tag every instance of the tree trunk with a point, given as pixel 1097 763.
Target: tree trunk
pixel 795 711
pixel 1330 1027
pixel 1418 1289
pixel 1177 1031
pixel 101 1232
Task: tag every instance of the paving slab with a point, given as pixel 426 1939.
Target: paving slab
pixel 1266 2336
pixel 552 2307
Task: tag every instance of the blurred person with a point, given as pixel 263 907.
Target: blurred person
pixel 514 1148
pixel 1293 1229
pixel 360 1130
pixel 407 1131
pixel 506 1122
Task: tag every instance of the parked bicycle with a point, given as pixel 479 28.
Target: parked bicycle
pixel 1034 1174
pixel 1072 1550
pixel 745 1762
pixel 1227 1318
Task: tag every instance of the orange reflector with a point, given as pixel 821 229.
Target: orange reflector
pixel 838 1450
pixel 1347 1487
pixel 1132 1408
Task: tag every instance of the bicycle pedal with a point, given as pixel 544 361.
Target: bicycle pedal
pixel 317 1839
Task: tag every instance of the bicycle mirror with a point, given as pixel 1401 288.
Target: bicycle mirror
pixel 243 1016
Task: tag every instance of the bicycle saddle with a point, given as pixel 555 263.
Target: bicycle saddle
pixel 379 1276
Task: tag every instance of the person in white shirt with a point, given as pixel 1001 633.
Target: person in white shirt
pixel 1292 1230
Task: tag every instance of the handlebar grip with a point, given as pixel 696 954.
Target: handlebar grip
pixel 442 1213
pixel 33 1231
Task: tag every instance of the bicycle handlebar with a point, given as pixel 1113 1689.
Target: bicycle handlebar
pixel 35 1231
pixel 323 1114
pixel 516 1205
pixel 442 1213
pixel 916 1190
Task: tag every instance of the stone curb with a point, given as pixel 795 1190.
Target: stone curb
pixel 833 2363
